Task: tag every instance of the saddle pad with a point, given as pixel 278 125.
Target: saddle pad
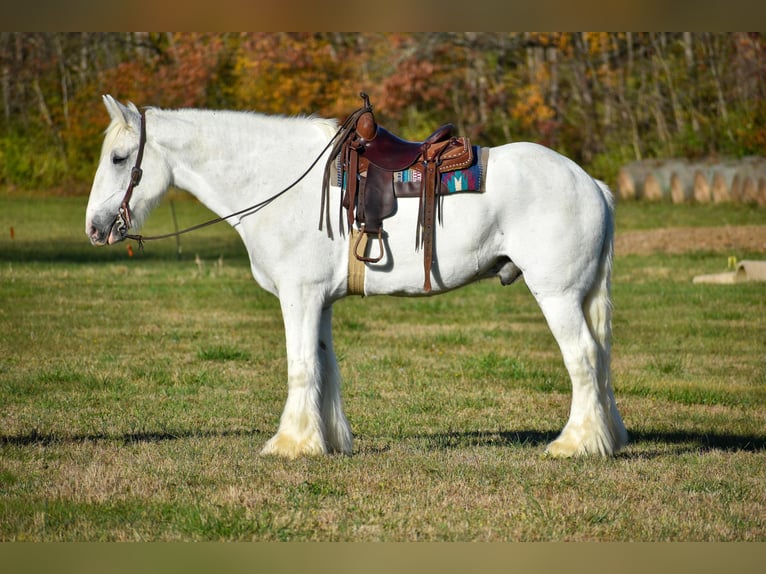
pixel 470 179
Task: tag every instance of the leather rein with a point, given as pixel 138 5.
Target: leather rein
pixel 123 219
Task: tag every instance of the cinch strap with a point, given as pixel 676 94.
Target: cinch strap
pixel 356 268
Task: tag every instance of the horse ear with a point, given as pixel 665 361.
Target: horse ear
pixel 128 114
pixel 113 107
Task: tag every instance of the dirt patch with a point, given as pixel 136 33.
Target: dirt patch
pixel 750 238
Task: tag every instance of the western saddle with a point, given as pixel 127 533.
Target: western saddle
pixel 366 157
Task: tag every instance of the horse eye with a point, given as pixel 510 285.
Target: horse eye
pixel 118 160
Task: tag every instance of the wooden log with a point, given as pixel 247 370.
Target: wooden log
pixel 679 180
pixel 749 191
pixel 632 179
pixel 663 173
pixel 753 172
pixel 701 187
pixel 681 186
pixel 721 189
pixel 626 184
pixel 652 188
pixel 735 191
pixel 669 178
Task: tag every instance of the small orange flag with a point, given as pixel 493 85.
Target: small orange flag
pixel 13 233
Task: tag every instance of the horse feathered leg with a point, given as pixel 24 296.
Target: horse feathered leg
pixel 313 421
pixel 582 328
pixel 587 430
pixel 301 429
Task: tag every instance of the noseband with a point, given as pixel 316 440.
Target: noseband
pixel 123 220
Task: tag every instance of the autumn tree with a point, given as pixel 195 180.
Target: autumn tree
pixel 602 98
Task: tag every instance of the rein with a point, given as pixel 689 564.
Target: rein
pixel 123 219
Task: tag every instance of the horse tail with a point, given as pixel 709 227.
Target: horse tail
pixel 598 313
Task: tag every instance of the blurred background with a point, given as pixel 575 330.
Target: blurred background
pixel 624 105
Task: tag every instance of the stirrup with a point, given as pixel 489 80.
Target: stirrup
pixel 361 257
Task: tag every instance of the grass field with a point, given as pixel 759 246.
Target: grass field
pixel 136 392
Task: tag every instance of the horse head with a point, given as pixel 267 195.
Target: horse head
pixel 125 162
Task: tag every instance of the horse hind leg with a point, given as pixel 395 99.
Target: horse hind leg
pixel 598 311
pixel 594 425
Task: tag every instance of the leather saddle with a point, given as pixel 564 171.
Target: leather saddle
pixel 367 156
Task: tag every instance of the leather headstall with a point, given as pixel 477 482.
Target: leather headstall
pixel 123 220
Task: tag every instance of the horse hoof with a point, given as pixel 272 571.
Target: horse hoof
pixel 566 447
pixel 291 447
pixel 562 449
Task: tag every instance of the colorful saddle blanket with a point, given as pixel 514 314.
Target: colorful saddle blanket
pixel 408 183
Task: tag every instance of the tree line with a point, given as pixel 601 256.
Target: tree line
pixel 603 99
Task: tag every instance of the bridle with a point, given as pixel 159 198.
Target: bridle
pixel 123 219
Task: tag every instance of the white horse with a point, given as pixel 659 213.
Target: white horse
pixel 541 216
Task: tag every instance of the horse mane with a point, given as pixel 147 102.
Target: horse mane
pixel 119 124
pixel 116 127
pixel 329 126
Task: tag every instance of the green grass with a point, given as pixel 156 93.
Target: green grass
pixel 634 215
pixel 136 392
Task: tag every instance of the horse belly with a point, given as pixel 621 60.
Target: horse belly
pixel 461 253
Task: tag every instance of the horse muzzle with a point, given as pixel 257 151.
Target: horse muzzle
pixel 111 234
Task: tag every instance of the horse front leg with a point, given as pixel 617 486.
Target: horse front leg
pixel 301 429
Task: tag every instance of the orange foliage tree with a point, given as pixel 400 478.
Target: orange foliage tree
pixel 601 98
pixel 296 73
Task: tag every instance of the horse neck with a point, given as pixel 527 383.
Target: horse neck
pixel 230 160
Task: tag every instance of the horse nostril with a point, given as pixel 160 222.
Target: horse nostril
pixel 95 235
